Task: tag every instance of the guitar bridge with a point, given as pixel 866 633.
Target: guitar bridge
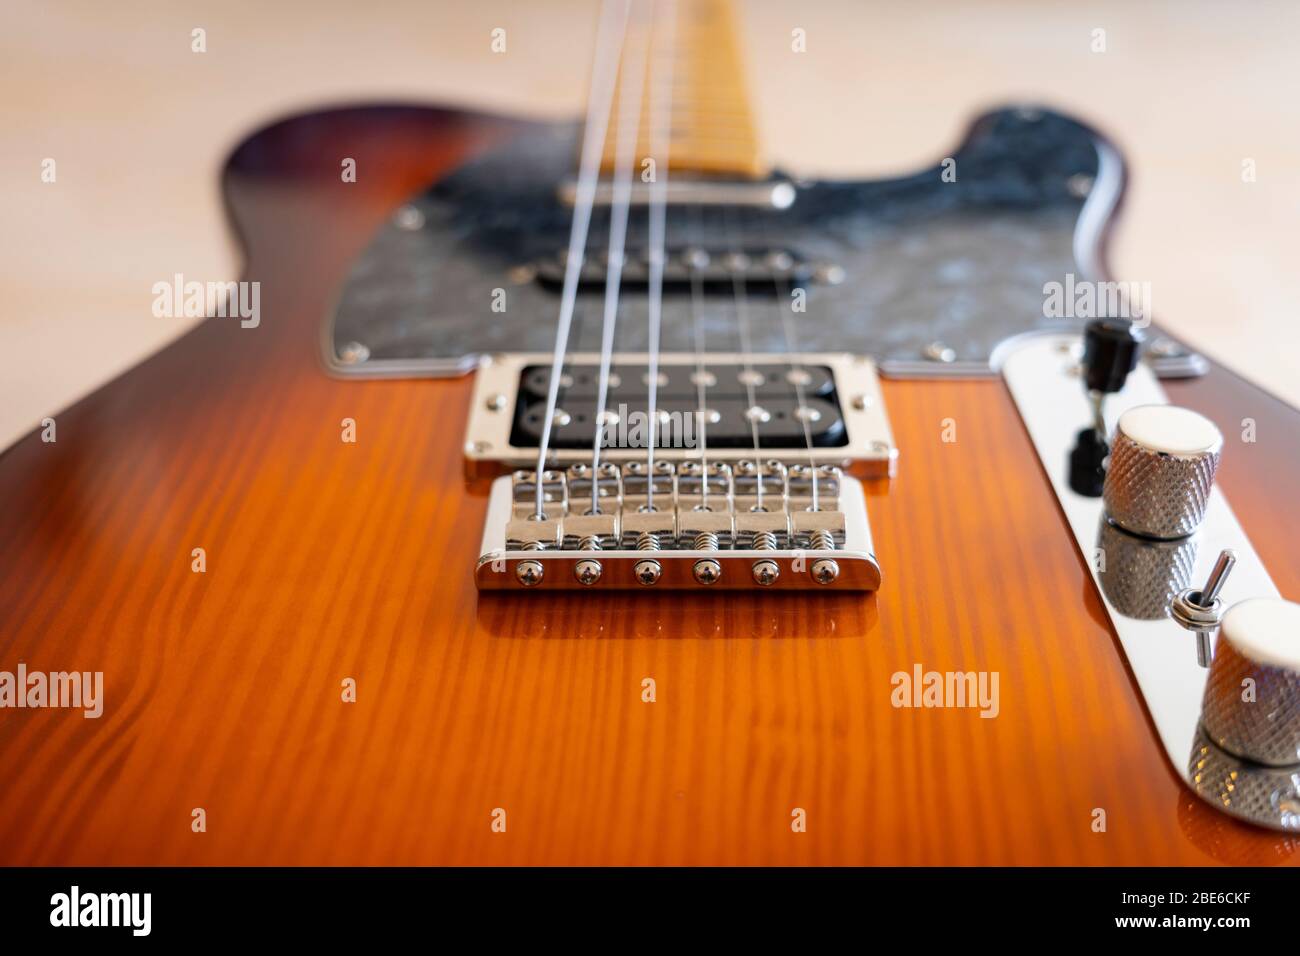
pixel 686 525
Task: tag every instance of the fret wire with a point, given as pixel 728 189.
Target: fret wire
pixel 632 80
pixel 610 36
pixel 661 104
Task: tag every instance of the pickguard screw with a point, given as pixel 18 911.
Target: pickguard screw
pixel 530 573
pixel 496 402
pixel 825 571
pixel 353 353
pixel 938 352
pixel 409 218
pixel 587 572
pixel 829 273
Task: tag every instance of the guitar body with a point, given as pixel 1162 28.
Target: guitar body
pixel 327 560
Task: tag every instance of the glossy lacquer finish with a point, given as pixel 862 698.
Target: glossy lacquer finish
pixel 328 561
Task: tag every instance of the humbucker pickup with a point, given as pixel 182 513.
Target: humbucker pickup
pixel 836 397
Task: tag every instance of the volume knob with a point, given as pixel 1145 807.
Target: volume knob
pixel 1251 707
pixel 1162 464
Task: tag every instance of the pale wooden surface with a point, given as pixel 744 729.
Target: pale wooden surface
pixel 139 127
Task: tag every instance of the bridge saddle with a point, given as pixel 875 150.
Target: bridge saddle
pixel 679 525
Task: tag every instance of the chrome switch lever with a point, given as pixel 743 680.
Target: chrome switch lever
pixel 1200 610
pixel 1251 707
pixel 1162 464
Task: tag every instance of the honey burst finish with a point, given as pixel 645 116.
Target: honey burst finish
pixel 327 561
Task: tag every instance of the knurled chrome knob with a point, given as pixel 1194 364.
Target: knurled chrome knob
pixel 1162 464
pixel 1252 698
pixel 1140 577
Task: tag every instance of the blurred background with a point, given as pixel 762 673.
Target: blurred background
pixel 139 128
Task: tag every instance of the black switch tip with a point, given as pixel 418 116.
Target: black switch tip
pixel 1087 461
pixel 1110 351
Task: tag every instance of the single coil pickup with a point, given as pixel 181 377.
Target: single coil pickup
pixel 631 383
pixel 729 423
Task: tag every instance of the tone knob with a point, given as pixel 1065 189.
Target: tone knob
pixel 1251 707
pixel 1162 464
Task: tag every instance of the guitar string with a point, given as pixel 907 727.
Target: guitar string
pixel 632 80
pixel 740 302
pixel 610 37
pixel 798 375
pixel 696 262
pixel 660 105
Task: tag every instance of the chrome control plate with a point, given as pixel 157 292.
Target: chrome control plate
pixel 1137 579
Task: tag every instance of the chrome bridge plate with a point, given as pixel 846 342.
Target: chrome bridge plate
pixel 1137 579
pixel 864 444
pixel 705 530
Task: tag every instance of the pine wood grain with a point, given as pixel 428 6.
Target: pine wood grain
pixel 327 560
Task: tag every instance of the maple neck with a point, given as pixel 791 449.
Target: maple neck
pixel 712 129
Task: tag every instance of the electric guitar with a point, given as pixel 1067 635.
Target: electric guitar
pixel 594 493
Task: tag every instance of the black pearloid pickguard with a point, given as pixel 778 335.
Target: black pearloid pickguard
pixel 962 263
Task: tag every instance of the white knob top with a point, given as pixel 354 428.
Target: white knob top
pixel 1266 630
pixel 1171 429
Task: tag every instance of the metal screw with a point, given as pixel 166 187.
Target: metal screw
pixel 765 572
pixel 353 353
pixel 938 352
pixel 409 218
pixel 829 273
pixel 707 571
pixel 1079 185
pixel 530 573
pixel 860 402
pixel 587 572
pixel 496 402
pixel 825 571
pixel 647 572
